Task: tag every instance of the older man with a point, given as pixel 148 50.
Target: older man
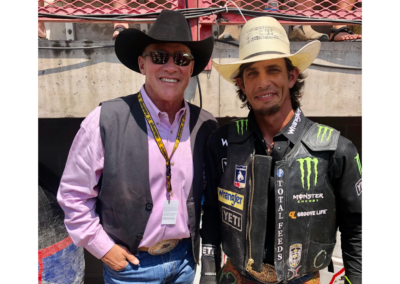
pixel 278 184
pixel 133 183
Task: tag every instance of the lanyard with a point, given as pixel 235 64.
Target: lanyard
pixel 160 142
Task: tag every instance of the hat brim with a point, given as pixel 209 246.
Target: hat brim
pixel 302 59
pixel 130 44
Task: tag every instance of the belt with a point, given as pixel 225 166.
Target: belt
pixel 161 247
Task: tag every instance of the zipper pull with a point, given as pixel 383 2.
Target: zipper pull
pixel 249 264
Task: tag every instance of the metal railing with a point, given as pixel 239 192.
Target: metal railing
pixel 86 10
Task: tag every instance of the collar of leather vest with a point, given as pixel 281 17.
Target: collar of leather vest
pixel 241 129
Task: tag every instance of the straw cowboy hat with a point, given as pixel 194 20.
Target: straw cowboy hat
pixel 169 27
pixel 263 38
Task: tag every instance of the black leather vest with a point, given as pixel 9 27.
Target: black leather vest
pixel 124 202
pixel 305 225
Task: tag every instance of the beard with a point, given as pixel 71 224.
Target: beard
pixel 266 111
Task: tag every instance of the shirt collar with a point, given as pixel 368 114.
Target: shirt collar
pixel 155 113
pixel 291 131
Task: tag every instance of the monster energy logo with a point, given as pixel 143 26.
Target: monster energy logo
pixel 357 158
pixel 320 127
pixel 240 124
pixel 308 161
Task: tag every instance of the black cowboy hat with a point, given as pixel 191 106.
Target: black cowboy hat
pixel 169 27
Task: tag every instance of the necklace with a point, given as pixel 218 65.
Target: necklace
pixel 270 147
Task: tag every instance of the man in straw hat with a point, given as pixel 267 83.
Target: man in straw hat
pixel 133 183
pixel 278 184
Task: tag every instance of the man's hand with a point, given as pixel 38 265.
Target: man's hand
pixel 117 258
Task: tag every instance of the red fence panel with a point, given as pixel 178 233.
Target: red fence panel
pixel 329 9
pixel 336 9
pixel 105 7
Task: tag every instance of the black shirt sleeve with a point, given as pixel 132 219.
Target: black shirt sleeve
pixel 345 175
pixel 216 152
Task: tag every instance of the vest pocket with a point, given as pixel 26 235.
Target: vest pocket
pixel 319 256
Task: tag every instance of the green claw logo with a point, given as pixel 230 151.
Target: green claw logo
pixel 240 124
pixel 357 158
pixel 320 127
pixel 227 277
pixel 308 161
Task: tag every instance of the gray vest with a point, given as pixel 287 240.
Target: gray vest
pixel 124 202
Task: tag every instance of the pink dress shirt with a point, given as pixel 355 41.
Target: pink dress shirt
pixel 77 192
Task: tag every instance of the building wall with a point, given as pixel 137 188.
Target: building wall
pixel 73 82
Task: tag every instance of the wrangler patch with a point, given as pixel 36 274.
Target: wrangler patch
pixel 230 198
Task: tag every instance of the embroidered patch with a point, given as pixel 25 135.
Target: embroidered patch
pixel 240 176
pixel 230 198
pixel 359 187
pixel 232 218
pixel 293 214
pixel 319 260
pixel 295 255
pixel 209 250
pixel 279 173
pixel 311 165
pixel 296 120
pixel 294 272
pixel 322 130
pixel 308 197
pixel 241 125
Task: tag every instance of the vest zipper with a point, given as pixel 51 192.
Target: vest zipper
pixel 250 260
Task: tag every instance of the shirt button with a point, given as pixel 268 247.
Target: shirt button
pixel 158 123
pixel 279 148
pixel 172 163
pixel 149 206
pixel 191 199
pixel 171 132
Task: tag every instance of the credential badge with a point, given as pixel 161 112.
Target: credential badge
pixel 295 255
pixel 240 176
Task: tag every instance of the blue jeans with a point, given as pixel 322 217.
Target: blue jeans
pixel 176 266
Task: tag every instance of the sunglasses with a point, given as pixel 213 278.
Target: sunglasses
pixel 162 57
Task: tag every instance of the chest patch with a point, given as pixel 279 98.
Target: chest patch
pixel 240 176
pixel 230 198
